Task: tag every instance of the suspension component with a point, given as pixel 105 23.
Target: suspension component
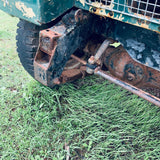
pixel 125 85
pixel 95 60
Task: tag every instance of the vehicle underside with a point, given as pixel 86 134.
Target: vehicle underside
pixel 82 44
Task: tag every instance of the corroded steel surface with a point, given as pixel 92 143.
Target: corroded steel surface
pixel 121 65
pixel 141 93
pixel 76 46
pixel 45 53
pixel 141 44
pixel 52 64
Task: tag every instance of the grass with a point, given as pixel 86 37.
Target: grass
pixel 89 119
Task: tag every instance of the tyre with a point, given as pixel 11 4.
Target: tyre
pixel 27 44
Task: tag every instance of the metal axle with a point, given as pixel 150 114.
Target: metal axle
pixel 123 84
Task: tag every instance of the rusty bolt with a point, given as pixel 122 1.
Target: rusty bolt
pixel 94 9
pixel 111 13
pixel 130 77
pixel 56 81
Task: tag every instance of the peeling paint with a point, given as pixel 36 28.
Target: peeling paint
pixel 101 12
pixel 98 11
pixel 28 12
pixel 82 2
pixel 120 17
pixel 143 25
pixel 97 4
pixel 5 2
pixel 99 8
pixel 100 5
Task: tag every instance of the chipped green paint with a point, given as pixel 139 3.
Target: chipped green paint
pixel 27 12
pixel 36 11
pixel 95 8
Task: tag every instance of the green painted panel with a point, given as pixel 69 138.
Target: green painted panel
pixel 154 26
pixel 36 11
pixel 51 9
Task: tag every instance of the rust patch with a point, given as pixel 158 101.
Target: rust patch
pixel 70 75
pixel 121 65
pixel 143 24
pixel 53 63
pixel 47 47
pixel 100 8
pixel 28 12
pixel 119 17
pixel 102 12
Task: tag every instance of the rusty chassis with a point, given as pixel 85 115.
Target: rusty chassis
pixel 82 44
pixel 97 71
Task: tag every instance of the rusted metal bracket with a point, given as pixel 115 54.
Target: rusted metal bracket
pixel 56 46
pixel 44 56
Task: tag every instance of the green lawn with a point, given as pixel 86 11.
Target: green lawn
pixel 94 119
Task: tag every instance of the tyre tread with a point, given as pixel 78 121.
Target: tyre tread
pixel 27 44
